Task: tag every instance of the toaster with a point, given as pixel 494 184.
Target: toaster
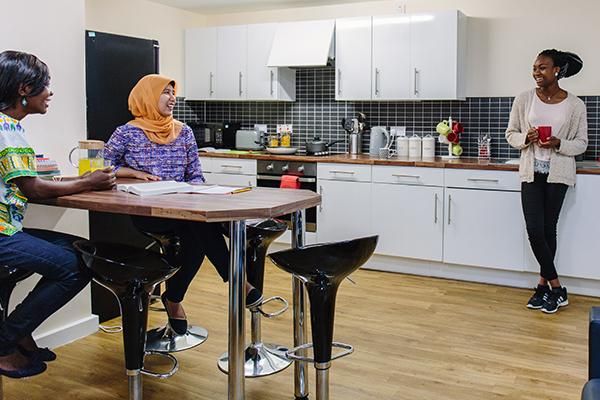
pixel 248 140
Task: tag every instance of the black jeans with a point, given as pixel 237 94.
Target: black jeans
pixel 198 239
pixel 541 203
pixel 51 255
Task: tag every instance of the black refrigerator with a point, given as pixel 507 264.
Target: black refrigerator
pixel 113 65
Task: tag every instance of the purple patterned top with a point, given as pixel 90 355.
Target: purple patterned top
pixel 177 161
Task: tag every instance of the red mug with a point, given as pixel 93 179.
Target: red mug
pixel 544 133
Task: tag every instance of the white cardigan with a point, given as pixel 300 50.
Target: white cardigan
pixel 572 135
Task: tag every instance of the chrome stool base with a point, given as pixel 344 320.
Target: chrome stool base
pixel 165 340
pixel 261 360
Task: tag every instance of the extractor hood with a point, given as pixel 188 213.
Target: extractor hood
pixel 302 44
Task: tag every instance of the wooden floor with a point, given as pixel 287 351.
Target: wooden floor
pixel 415 338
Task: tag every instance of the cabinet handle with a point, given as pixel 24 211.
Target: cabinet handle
pixel 416 76
pixel 250 184
pixel 321 193
pixel 339 78
pixel 449 207
pixel 435 201
pixel 272 76
pixel 230 166
pixel 342 172
pixel 240 83
pixel 406 176
pixel 376 81
pixel 210 84
pixel 483 180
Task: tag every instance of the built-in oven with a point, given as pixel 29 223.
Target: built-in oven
pixel 269 174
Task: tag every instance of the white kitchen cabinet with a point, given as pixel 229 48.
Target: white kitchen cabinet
pixel 264 83
pixel 345 210
pixel 401 57
pixel 391 62
pixel 230 179
pixel 200 63
pixel 438 55
pixel 227 171
pixel 409 220
pixel 353 58
pixel 577 232
pixel 484 228
pixel 232 49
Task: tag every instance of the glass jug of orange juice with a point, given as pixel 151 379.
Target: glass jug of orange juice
pixel 91 156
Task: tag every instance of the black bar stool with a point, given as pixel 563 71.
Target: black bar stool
pixel 322 267
pixel 9 277
pixel 164 339
pixel 131 274
pixel 262 359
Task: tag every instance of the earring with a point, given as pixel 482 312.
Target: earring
pixel 556 74
pixel 24 102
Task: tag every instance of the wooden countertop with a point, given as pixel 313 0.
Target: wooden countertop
pixel 256 203
pixel 437 162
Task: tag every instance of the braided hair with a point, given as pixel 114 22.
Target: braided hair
pixel 17 70
pixel 569 63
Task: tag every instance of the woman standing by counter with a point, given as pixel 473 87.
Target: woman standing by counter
pixel 547 165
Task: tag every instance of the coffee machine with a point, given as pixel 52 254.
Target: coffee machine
pixel 355 128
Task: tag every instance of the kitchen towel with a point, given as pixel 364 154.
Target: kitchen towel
pixel 290 182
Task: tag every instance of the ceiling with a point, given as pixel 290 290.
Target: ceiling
pixel 233 6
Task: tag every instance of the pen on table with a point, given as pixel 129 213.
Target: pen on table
pixel 246 189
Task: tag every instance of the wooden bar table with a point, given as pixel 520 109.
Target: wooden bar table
pixel 236 209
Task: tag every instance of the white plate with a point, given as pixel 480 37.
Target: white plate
pixel 282 150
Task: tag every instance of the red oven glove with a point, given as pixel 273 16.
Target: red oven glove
pixel 290 182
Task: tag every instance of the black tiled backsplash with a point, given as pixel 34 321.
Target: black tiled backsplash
pixel 316 113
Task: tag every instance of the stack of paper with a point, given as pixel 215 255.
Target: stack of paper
pixel 166 187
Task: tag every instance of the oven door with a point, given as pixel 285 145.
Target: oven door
pixel 309 183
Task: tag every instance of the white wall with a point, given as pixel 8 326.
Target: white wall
pixel 504 36
pixel 141 18
pixel 54 31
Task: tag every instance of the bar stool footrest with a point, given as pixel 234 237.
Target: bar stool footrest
pixel 160 375
pixel 276 313
pixel 291 354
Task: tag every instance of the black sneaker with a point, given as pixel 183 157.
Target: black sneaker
pixel 556 299
pixel 539 297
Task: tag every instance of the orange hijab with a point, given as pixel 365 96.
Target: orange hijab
pixel 143 104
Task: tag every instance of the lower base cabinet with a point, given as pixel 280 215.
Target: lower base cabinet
pixel 484 228
pixel 409 220
pixel 345 210
pixel 230 179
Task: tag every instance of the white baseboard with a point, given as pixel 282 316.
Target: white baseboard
pixel 68 333
pixel 522 279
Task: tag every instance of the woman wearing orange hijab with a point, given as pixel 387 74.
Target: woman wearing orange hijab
pixel 155 146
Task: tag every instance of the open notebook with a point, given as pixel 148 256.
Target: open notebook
pixel 166 187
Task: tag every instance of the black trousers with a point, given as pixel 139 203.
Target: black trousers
pixel 198 239
pixel 542 202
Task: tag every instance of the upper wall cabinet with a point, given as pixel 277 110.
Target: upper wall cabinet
pixel 200 63
pixel 229 63
pixel 438 55
pixel 353 58
pixel 265 83
pixel 401 57
pixel 232 55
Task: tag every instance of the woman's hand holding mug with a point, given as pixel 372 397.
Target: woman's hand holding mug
pixel 532 135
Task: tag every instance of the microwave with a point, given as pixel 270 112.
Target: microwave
pixel 220 135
